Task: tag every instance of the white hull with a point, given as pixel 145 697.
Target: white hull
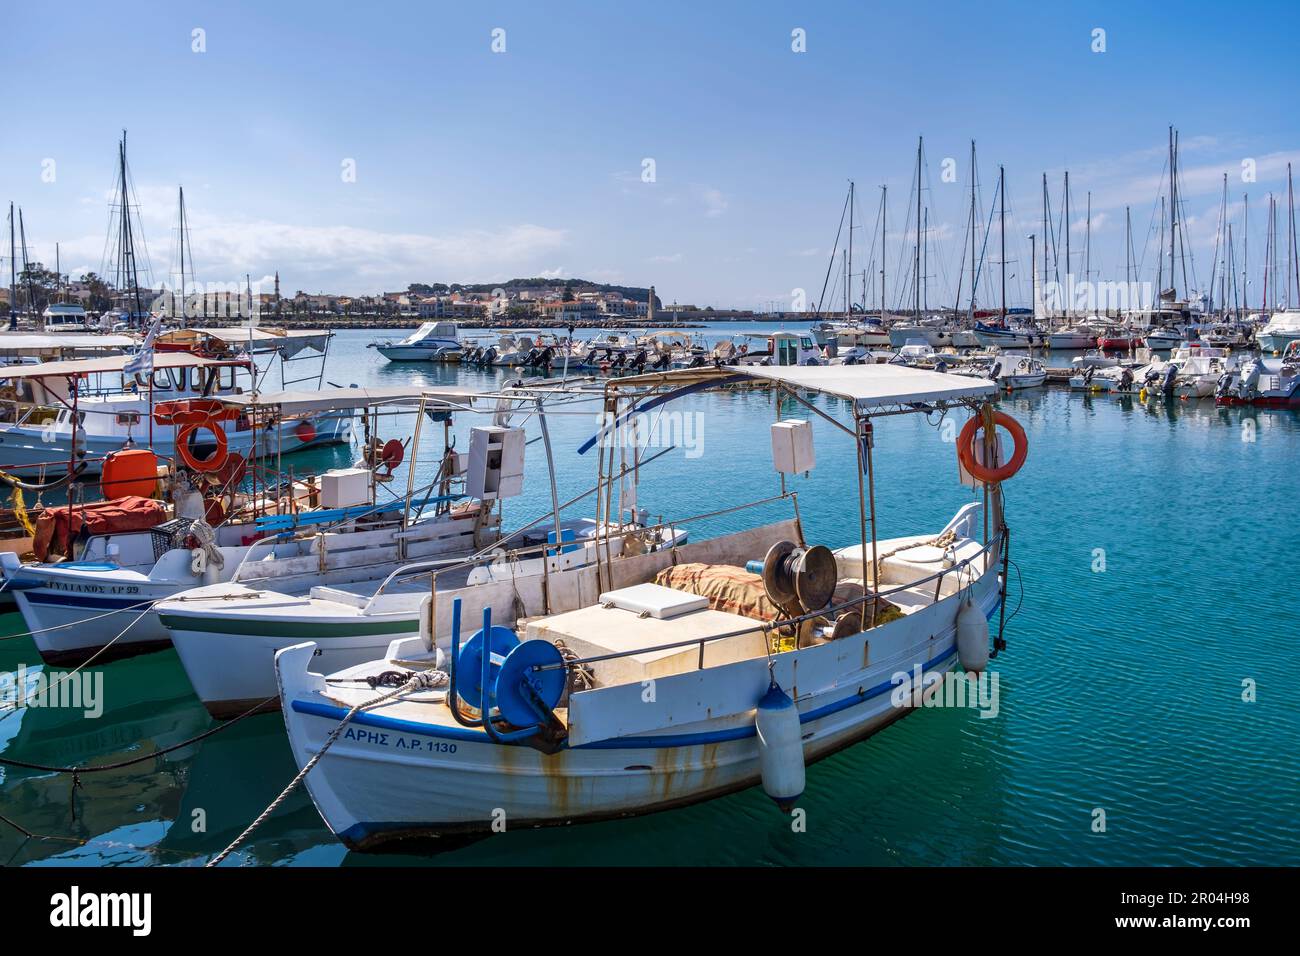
pixel 1277 341
pixel 391 776
pixel 418 353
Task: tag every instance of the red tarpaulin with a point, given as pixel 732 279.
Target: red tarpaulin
pixel 56 526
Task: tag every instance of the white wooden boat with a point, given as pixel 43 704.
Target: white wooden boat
pixel 659 698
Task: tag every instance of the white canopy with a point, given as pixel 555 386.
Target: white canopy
pixel 13 343
pixel 112 363
pixel 343 399
pixel 874 386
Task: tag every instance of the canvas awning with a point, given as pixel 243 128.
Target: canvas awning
pixel 867 386
pixel 299 402
pixel 112 363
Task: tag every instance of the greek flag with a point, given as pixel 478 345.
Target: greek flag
pixel 141 363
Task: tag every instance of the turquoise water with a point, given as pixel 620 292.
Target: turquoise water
pixel 1121 688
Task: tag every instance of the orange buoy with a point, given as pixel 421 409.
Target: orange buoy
pixel 966 449
pixel 305 432
pixel 132 472
pixel 213 462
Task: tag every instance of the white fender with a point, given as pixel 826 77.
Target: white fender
pixel 780 747
pixel 972 637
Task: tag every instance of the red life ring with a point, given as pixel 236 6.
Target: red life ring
pixel 966 449
pixel 213 462
pixel 305 432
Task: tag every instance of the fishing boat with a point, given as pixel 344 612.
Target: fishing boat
pixel 355 593
pixel 1082 335
pixel 70 415
pixel 90 596
pixel 675 676
pixel 431 342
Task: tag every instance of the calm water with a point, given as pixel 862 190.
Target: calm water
pixel 1121 689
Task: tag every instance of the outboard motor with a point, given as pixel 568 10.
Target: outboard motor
pixel 1126 379
pixel 619 360
pixel 638 363
pixel 1249 381
pixel 531 360
pixel 662 361
pixel 1088 373
pixel 1223 388
pixel 489 355
pixel 1167 381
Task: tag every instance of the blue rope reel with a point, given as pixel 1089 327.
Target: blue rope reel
pixel 469 666
pixel 524 694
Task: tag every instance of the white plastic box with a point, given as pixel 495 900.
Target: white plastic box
pixel 345 487
pixel 792 446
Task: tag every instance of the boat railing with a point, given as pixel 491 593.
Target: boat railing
pixel 767 627
pixel 494 554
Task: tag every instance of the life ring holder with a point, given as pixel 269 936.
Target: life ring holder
pixel 966 448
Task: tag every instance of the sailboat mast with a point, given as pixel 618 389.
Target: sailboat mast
pixel 1128 254
pixel 1045 235
pixel 925 262
pixel 848 261
pixel 972 231
pixel 1173 214
pixel 1293 259
pixel 1245 249
pixel 13 276
pixel 1002 215
pixel 181 190
pixel 1069 277
pixel 916 285
pixel 884 209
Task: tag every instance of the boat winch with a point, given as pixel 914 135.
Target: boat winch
pixel 521 683
pixel 780 747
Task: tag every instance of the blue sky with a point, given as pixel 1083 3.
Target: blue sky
pixel 478 166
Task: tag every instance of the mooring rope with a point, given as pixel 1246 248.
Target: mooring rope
pixel 416 682
pixel 78 771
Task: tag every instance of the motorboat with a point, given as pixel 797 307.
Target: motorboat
pixel 1013 372
pixel 1282 329
pixel 431 342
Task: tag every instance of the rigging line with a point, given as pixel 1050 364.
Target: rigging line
pixel 834 249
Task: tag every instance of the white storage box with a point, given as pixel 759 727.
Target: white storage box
pixel 345 488
pixel 792 446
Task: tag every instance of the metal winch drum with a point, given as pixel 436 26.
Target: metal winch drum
pixel 800 577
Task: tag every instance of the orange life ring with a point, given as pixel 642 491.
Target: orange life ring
pixel 966 449
pixel 192 411
pixel 213 462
